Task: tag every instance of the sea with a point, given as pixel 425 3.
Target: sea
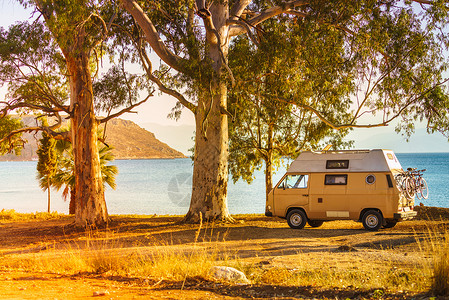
pixel 163 186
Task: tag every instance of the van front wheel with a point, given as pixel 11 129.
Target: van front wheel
pixel 372 220
pixel 315 223
pixel 296 219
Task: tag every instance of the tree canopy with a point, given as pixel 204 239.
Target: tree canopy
pixel 284 63
pixel 13 143
pixel 382 58
pixel 50 67
pixel 347 59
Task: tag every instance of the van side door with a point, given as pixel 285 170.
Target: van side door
pixel 291 191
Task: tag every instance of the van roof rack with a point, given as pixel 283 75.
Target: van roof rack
pixel 326 150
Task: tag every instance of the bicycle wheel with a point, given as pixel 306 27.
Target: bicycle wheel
pixel 418 189
pixel 410 187
pixel 403 185
pixel 422 188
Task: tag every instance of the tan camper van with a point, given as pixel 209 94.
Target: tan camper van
pixel 355 185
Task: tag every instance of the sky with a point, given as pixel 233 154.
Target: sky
pixel 152 115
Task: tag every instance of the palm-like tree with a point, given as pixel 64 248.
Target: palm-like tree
pixel 47 163
pixel 64 176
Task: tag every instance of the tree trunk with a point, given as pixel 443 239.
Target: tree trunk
pixel 269 162
pixel 90 205
pixel 268 176
pixel 210 169
pixel 72 202
pixel 48 193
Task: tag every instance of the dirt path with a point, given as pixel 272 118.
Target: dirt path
pixel 256 240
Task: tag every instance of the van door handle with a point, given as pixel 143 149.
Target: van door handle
pixel 306 195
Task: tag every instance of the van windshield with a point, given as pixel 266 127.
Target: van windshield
pixel 298 181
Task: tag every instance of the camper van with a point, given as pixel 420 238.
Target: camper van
pixel 360 185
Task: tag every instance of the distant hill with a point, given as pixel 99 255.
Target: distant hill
pixel 128 139
pixel 133 142
pixel 179 137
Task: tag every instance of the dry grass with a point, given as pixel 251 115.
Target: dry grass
pixel 103 253
pixel 435 244
pixel 326 271
pixel 13 216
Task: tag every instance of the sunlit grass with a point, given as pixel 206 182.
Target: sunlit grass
pixel 325 270
pixel 103 252
pixel 12 215
pixel 435 244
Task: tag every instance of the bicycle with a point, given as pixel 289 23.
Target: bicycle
pixel 412 183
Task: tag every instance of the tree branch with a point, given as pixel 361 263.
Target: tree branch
pixel 267 14
pixel 238 8
pixel 10 107
pixel 247 28
pixel 213 37
pixel 161 86
pixel 325 120
pixel 125 110
pixel 152 36
pixel 48 129
pixel 146 64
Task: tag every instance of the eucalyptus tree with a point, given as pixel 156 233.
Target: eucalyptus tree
pixel 7 125
pixel 50 67
pixel 395 49
pixel 264 131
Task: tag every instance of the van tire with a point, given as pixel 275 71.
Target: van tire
pixel 372 220
pixel 296 219
pixel 315 223
pixel 390 223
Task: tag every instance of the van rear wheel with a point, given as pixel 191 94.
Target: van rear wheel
pixel 315 223
pixel 372 220
pixel 390 223
pixel 296 219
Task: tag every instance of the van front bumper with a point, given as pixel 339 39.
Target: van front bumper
pixel 405 215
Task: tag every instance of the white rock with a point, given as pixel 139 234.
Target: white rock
pixel 229 274
pixel 100 293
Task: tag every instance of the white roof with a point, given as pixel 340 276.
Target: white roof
pixel 377 160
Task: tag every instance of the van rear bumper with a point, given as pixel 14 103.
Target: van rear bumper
pixel 405 215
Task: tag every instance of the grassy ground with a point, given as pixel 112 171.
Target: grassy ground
pixel 43 256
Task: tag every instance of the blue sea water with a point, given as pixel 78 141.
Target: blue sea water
pixel 163 186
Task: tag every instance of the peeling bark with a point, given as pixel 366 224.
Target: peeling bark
pixel 90 204
pixel 210 169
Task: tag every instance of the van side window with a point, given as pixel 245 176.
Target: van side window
pixel 294 182
pixel 390 183
pixel 337 164
pixel 340 179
